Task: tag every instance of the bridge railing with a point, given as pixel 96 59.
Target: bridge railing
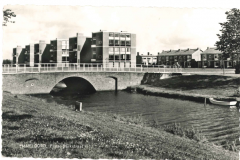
pixel 86 67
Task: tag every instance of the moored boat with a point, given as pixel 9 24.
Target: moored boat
pixel 223 103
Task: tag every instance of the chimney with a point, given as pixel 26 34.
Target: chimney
pixel 158 53
pixel 137 53
pixel 148 53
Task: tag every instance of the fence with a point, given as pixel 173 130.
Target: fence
pixel 86 67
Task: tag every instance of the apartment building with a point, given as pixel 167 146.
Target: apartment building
pixel 146 59
pixel 80 49
pixel 183 57
pixel 212 58
pixel 59 51
pixel 114 49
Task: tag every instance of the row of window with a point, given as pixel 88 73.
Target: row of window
pixel 112 34
pixel 113 42
pixel 116 49
pixel 123 35
pixel 118 42
pixel 175 57
pixel 120 57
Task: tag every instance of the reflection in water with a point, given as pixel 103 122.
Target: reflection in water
pixel 218 123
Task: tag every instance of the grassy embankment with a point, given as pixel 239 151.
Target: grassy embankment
pixel 30 121
pixel 194 87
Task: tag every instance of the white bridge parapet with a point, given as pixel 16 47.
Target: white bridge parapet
pixel 87 67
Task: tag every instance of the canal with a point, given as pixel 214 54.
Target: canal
pixel 219 124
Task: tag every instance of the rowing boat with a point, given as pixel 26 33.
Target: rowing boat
pixel 224 103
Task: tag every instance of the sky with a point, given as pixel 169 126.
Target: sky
pixel 156 28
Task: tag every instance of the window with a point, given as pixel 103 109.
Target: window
pixel 94 49
pixel 128 49
pixel 128 43
pixel 122 49
pixel 128 57
pixel 216 56
pixel 99 42
pixel 127 35
pixel 111 42
pixel 110 49
pixel 94 35
pixel 116 56
pixel 189 57
pixel 123 56
pixel 94 56
pixel 123 35
pixel 116 35
pixel 203 56
pixel 94 42
pixel 116 49
pixel 209 56
pixel 122 43
pixel 111 57
pixel 111 34
pixel 116 42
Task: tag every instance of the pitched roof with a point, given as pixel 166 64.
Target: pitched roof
pixel 178 52
pixel 212 50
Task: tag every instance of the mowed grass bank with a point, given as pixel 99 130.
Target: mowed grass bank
pixel 33 127
pixel 221 86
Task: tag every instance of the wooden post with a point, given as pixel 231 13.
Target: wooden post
pixel 205 100
pixel 78 106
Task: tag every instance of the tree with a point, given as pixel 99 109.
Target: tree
pixel 7 61
pixel 8 14
pixel 229 40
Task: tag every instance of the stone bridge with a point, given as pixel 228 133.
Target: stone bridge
pixel 44 82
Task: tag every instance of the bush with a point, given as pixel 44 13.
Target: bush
pixel 181 131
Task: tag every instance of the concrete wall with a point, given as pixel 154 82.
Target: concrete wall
pixel 41 83
pixel 59 51
pixel 21 57
pixel 31 56
pixel 46 56
pixel 86 52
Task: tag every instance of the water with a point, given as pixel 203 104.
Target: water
pixel 218 123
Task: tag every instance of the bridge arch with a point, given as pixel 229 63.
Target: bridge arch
pixel 75 84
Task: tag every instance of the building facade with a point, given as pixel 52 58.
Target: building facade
pixel 19 55
pixel 212 58
pixel 147 60
pixel 80 50
pixel 186 58
pixel 42 52
pixel 59 51
pixel 114 49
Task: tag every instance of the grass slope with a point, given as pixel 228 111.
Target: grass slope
pixel 33 127
pixel 201 84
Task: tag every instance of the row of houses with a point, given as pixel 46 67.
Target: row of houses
pixel 112 48
pixel 190 58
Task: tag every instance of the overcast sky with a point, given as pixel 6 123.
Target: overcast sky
pixel 156 29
